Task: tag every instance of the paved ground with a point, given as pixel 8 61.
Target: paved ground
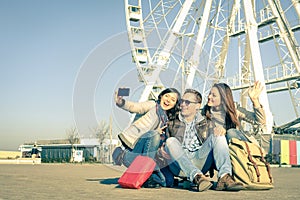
pixel 95 181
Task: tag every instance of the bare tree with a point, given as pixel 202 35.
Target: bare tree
pixel 73 138
pixel 101 132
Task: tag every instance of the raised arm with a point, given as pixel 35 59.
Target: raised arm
pixel 258 115
pixel 254 93
pixel 134 107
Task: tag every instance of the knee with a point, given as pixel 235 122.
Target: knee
pixel 232 133
pixel 154 137
pixel 219 140
pixel 171 141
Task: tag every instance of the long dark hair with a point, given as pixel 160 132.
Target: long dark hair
pixel 227 103
pixel 173 111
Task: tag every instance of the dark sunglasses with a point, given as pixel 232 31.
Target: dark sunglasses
pixel 186 102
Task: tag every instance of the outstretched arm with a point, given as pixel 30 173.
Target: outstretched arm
pixel 134 107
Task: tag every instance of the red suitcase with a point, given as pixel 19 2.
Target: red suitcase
pixel 137 173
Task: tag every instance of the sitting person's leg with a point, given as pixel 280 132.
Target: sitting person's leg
pixel 214 152
pixel 183 159
pixel 223 165
pixel 147 145
pixel 178 154
pixel 169 176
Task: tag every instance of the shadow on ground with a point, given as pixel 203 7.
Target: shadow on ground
pixel 106 181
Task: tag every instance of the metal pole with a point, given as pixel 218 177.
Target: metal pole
pixel 110 134
pixel 251 32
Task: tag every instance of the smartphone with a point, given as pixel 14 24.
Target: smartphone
pixel 123 92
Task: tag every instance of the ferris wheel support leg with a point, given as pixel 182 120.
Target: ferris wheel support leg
pixel 198 46
pixel 251 32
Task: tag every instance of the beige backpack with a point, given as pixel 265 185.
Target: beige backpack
pixel 249 165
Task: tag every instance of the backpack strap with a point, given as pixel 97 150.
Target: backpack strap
pixel 252 161
pixel 267 165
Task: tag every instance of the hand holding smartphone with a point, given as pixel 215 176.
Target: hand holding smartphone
pixel 123 92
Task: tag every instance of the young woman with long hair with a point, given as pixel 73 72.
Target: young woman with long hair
pixel 223 117
pixel 143 136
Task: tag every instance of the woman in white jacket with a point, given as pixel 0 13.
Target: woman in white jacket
pixel 143 136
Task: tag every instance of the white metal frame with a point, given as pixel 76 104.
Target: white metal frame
pixel 209 17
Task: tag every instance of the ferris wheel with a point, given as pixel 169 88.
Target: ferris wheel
pixel 199 42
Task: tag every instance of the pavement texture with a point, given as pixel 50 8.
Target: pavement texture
pixel 97 181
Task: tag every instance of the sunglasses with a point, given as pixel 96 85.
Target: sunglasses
pixel 186 102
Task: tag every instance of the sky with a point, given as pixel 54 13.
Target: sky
pixel 43 47
pixel 61 62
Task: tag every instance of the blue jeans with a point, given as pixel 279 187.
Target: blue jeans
pixel 234 133
pixel 147 145
pixel 213 152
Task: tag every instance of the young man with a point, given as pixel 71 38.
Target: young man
pixel 190 150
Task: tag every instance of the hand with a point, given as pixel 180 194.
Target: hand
pixel 254 93
pixel 163 153
pixel 118 99
pixel 162 129
pixel 219 131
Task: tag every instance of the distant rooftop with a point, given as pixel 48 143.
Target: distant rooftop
pixel 82 141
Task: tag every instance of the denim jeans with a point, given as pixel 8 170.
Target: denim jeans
pixel 213 152
pixel 147 145
pixel 234 133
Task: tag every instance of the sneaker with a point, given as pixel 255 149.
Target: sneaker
pixel 202 182
pixel 151 183
pixel 228 184
pixel 118 155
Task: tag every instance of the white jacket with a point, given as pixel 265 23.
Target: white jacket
pixel 149 121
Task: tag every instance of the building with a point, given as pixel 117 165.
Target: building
pixel 86 150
